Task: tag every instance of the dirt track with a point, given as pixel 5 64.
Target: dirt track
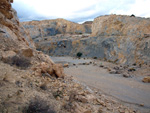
pixel 129 90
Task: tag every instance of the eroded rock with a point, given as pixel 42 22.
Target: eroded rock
pixel 146 79
pixel 52 69
pixel 126 75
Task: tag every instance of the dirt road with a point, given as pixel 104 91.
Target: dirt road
pixel 129 90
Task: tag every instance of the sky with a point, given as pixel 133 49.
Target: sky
pixel 78 10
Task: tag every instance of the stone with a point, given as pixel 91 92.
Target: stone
pixel 90 97
pixel 10 95
pixel 101 65
pixel 109 69
pixel 113 72
pixel 146 79
pixel 116 68
pixel 126 75
pixel 19 92
pixel 100 110
pixel 85 98
pixel 101 102
pixel 81 98
pixel 58 70
pixel 131 69
pixel 66 65
pixel 74 64
pixel 77 108
pixel 49 69
pixel 142 104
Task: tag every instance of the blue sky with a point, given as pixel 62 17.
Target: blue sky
pixel 78 10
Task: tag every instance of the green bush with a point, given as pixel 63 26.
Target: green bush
pixel 94 57
pixel 132 15
pixel 79 54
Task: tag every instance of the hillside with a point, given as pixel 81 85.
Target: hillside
pixel 46 28
pixel 30 82
pixel 116 38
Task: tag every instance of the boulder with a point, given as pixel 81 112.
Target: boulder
pixel 146 79
pixel 53 70
pixel 126 75
pixel 66 65
pixel 58 70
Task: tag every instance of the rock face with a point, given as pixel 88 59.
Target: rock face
pixel 116 38
pixel 128 38
pixel 15 41
pixel 119 25
pixel 48 28
pixel 9 24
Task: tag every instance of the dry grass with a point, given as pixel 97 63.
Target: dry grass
pixel 38 105
pixel 18 61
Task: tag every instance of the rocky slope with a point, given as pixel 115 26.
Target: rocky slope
pixel 30 82
pixel 48 28
pixel 12 41
pixel 128 36
pixel 9 25
pixel 115 38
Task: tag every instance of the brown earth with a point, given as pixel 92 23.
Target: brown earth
pixel 31 82
pixel 110 79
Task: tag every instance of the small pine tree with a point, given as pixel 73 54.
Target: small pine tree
pixel 79 54
pixel 132 15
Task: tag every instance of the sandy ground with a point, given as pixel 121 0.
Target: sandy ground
pixel 128 90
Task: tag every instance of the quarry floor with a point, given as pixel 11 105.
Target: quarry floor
pixel 127 90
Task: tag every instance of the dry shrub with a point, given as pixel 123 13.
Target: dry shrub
pixel 18 61
pixel 38 105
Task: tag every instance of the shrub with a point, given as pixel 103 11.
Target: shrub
pixel 38 106
pixel 94 57
pixel 19 61
pixel 79 54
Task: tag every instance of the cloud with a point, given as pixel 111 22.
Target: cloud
pixel 138 8
pixel 25 11
pixel 78 10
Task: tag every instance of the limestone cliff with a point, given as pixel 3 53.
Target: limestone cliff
pixel 126 37
pixel 120 25
pixel 48 28
pixel 116 38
